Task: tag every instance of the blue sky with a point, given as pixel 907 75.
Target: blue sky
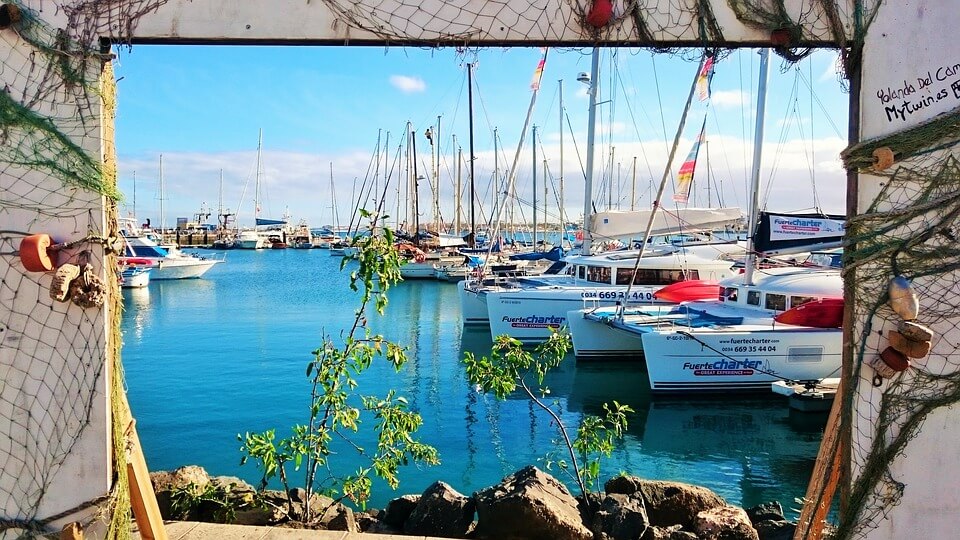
pixel 202 107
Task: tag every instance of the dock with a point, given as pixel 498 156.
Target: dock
pixel 807 398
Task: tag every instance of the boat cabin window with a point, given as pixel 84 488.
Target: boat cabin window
pixel 753 298
pixel 581 272
pixel 729 294
pixel 654 277
pixel 776 302
pixel 800 300
pixel 598 274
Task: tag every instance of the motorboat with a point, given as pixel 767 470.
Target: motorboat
pixel 166 262
pixel 134 276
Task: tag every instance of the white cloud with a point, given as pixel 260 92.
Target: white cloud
pixel 833 70
pixel 728 98
pixel 408 85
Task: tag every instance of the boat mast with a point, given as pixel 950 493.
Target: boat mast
pixel 134 194
pixel 563 221
pixel 534 146
pixel 162 216
pixel 459 195
pixel 416 190
pixel 473 183
pixel 755 170
pixel 256 190
pixel 633 186
pixel 591 133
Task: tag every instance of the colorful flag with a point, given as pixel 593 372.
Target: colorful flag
pixel 537 73
pixel 703 79
pixel 685 177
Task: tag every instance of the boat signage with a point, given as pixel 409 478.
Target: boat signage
pixel 535 321
pixel 723 367
pixel 618 295
pixel 792 227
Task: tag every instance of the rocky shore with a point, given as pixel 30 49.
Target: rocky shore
pixel 527 505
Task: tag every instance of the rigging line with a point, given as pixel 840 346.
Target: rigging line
pixel 816 99
pixel 808 152
pixel 636 131
pixel 656 81
pixel 726 159
pixel 792 103
pixel 813 150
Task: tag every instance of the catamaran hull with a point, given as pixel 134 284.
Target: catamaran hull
pixel 473 305
pixel 415 270
pixel 596 340
pixel 530 316
pixel 748 360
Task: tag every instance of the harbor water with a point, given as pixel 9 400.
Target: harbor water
pixel 208 359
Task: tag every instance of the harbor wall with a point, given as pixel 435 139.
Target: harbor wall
pixel 910 75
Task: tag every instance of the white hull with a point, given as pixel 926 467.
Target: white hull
pixel 135 278
pixel 181 268
pixel 530 315
pixel 249 244
pixel 473 305
pixel 415 270
pixel 750 358
pixel 594 339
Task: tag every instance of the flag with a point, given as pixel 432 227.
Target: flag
pixel 537 73
pixel 703 79
pixel 685 177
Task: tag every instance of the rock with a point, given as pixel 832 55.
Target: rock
pixel 165 482
pixel 724 523
pixel 772 529
pixel 441 511
pixel 673 532
pixel 626 485
pixel 765 511
pixel 398 510
pixel 620 517
pixel 367 520
pixel 675 503
pixel 529 504
pixel 339 518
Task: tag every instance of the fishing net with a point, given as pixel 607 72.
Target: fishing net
pixel 59 360
pixel 910 230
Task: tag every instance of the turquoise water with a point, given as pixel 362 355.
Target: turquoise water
pixel 210 358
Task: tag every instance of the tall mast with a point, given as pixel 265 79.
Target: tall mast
pixel 563 221
pixel 534 145
pixel 134 193
pixel 256 191
pixel 473 183
pixel 436 180
pixel 416 190
pixel 458 197
pixel 591 133
pixel 633 186
pixel 755 171
pixel 162 216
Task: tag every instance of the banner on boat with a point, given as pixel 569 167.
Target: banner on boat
pixel 793 232
pixel 792 227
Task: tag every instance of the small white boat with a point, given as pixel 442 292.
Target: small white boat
pixel 134 277
pixel 249 239
pixel 167 263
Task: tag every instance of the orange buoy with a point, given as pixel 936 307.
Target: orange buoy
pixel 34 253
pixel 600 13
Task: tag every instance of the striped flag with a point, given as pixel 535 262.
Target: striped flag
pixel 685 177
pixel 703 79
pixel 538 73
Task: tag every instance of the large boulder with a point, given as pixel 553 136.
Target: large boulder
pixel 441 511
pixel 620 517
pixel 771 529
pixel 765 512
pixel 667 503
pixel 165 483
pixel 398 510
pixel 673 532
pixel 724 523
pixel 530 505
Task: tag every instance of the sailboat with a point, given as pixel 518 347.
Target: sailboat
pixel 765 326
pixel 530 309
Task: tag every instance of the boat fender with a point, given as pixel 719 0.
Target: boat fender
pixel 888 364
pixel 35 253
